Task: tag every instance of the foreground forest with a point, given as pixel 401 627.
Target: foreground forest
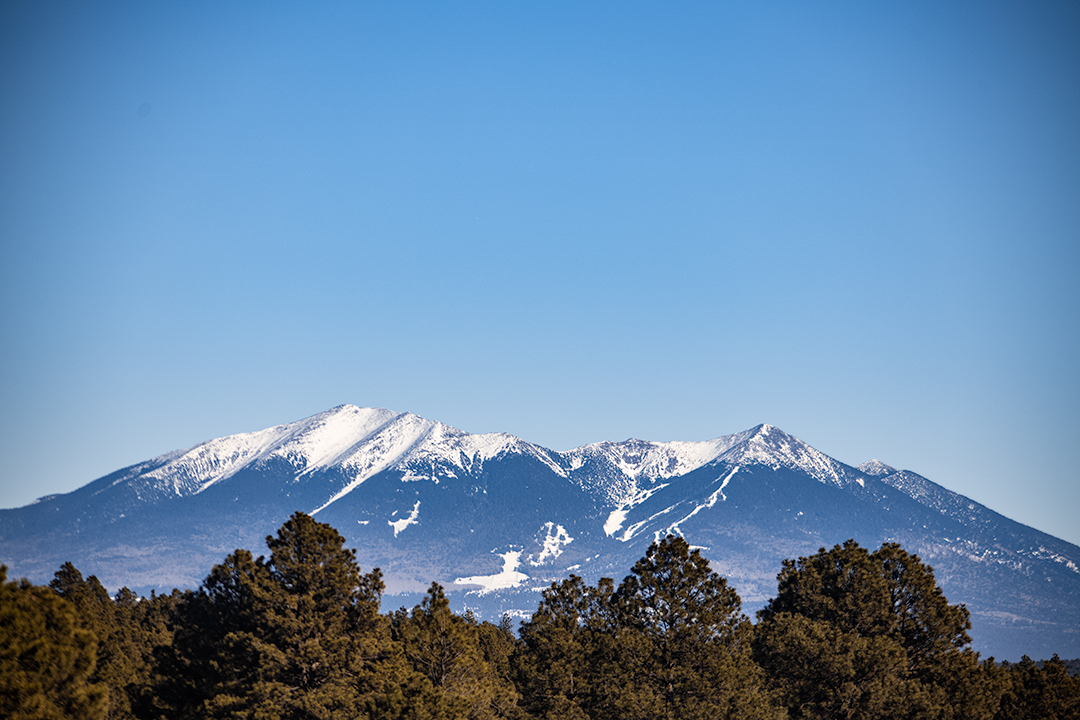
pixel 850 634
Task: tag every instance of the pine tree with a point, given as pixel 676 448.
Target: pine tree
pixel 125 647
pixel 824 672
pixel 670 642
pixel 552 665
pixel 1040 693
pixel 842 586
pixel 445 648
pixel 879 623
pixel 46 658
pixel 681 645
pixel 165 688
pixel 498 645
pixel 295 636
pixel 928 627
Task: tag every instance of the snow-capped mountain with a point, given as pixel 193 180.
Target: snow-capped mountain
pixel 495 518
pixel 358 442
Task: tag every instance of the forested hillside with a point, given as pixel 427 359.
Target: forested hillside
pixel 850 633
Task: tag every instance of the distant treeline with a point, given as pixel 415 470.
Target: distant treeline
pixel 298 635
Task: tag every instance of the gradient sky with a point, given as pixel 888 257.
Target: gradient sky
pixel 569 221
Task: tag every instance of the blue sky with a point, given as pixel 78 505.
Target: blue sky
pixel 573 222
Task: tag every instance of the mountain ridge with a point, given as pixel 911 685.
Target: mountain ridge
pixel 495 518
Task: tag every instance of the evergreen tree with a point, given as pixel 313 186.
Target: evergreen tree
pixel 879 623
pixel 498 645
pixel 125 648
pixel 159 617
pixel 552 666
pixel 842 586
pixel 927 626
pixel 670 642
pixel 295 636
pixel 824 672
pixel 681 645
pixel 1040 693
pixel 47 658
pixel 445 649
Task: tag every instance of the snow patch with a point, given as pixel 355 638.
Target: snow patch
pixel 554 541
pixel 632 530
pixel 614 522
pixel 508 578
pixel 410 476
pixel 712 498
pixel 400 525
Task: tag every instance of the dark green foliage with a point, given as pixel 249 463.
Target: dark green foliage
pixel 554 667
pixel 843 587
pixel 850 634
pixel 682 644
pixel 824 672
pixel 1040 693
pixel 870 635
pixel 446 650
pixel 670 642
pixel 126 635
pixel 927 626
pixel 47 658
pixel 498 643
pixel 298 636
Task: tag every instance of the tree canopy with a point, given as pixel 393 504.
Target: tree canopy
pixel 298 635
pixel 669 642
pixel 856 634
pixel 46 658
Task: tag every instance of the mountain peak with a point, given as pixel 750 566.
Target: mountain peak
pixel 769 445
pixel 876 468
pixel 426 501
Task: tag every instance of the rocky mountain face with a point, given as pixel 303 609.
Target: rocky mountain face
pixel 495 519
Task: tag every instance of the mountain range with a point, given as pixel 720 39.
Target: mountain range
pixel 496 519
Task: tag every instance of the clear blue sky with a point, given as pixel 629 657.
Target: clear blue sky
pixel 570 221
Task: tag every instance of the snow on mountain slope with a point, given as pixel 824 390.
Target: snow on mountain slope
pixel 426 450
pixel 627 473
pixel 443 444
pixel 987 532
pixel 329 437
pixel 935 497
pixel 876 468
pixel 197 468
pixel 774 448
pixel 653 460
pixel 753 498
pixel 306 444
pixel 360 442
